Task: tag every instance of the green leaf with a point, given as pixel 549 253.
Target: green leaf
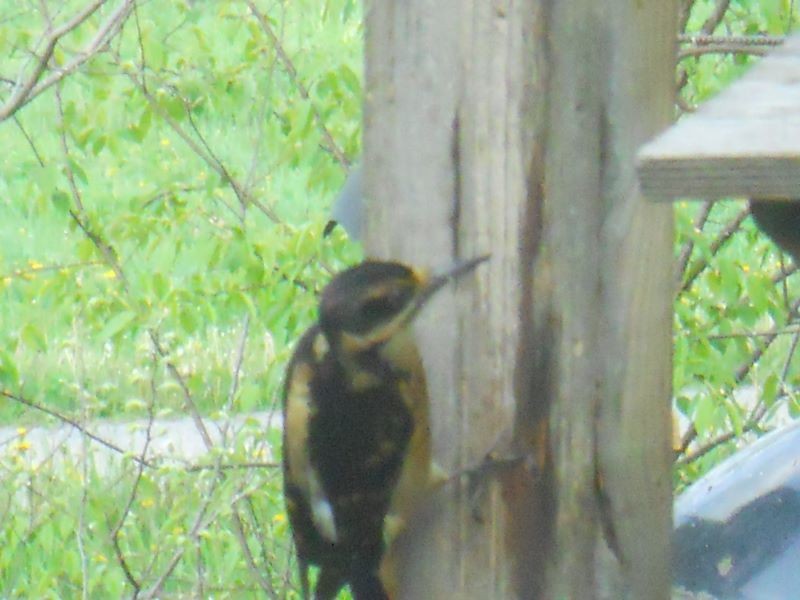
pixel 77 170
pixel 117 325
pixel 33 337
pixel 9 375
pixel 769 390
pixel 86 250
pixel 704 410
pixel 160 284
pixel 60 200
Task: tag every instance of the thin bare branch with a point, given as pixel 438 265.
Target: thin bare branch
pixel 237 364
pixel 288 65
pixel 710 24
pixel 716 16
pixel 741 372
pixel 718 242
pixel 721 49
pixel 23 86
pixel 688 246
pixel 35 270
pixel 78 214
pixel 255 571
pixel 188 399
pixel 28 139
pixel 29 87
pixel 210 160
pixel 684 12
pixel 200 523
pixel 749 335
pixel 126 569
pixel 246 466
pixel 72 423
pixel 702 39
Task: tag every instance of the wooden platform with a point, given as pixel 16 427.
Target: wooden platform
pixel 745 142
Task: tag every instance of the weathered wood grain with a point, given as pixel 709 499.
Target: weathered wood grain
pixel 511 128
pixel 744 142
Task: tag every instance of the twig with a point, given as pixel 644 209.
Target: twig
pixel 210 160
pixel 711 23
pixel 142 58
pixel 110 257
pixel 78 214
pixel 724 235
pixel 741 372
pixel 745 368
pixel 708 447
pixel 233 466
pixel 188 399
pixel 238 190
pixel 24 86
pixel 702 39
pixel 199 523
pixel 721 49
pixel 140 460
pixel 293 75
pixel 716 16
pixel 135 487
pixel 788 361
pixel 72 423
pixel 259 529
pixel 238 529
pixel 688 246
pixel 28 138
pixel 235 374
pixel 186 189
pixel 80 379
pixel 727 44
pixel 750 335
pixel 28 88
pixel 237 365
pixel 23 273
pixel 684 12
pixel 760 409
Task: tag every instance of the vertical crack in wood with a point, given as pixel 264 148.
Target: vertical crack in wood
pixel 603 498
pixel 455 155
pixel 529 490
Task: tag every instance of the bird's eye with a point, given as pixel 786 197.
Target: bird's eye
pixel 377 308
pixel 381 307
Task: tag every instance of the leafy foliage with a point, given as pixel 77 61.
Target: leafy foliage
pixel 163 207
pixel 734 345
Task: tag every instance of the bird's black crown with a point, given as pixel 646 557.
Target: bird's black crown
pixel 367 296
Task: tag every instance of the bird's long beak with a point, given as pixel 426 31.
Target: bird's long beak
pixel 438 280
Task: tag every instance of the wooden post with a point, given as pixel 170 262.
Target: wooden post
pixel 510 128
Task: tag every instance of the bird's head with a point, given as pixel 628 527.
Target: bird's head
pixel 364 306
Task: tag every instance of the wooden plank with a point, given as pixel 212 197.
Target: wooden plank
pixel 744 142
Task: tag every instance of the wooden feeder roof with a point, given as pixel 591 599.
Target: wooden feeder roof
pixel 745 142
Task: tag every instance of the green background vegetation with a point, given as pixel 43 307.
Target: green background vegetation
pixel 161 212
